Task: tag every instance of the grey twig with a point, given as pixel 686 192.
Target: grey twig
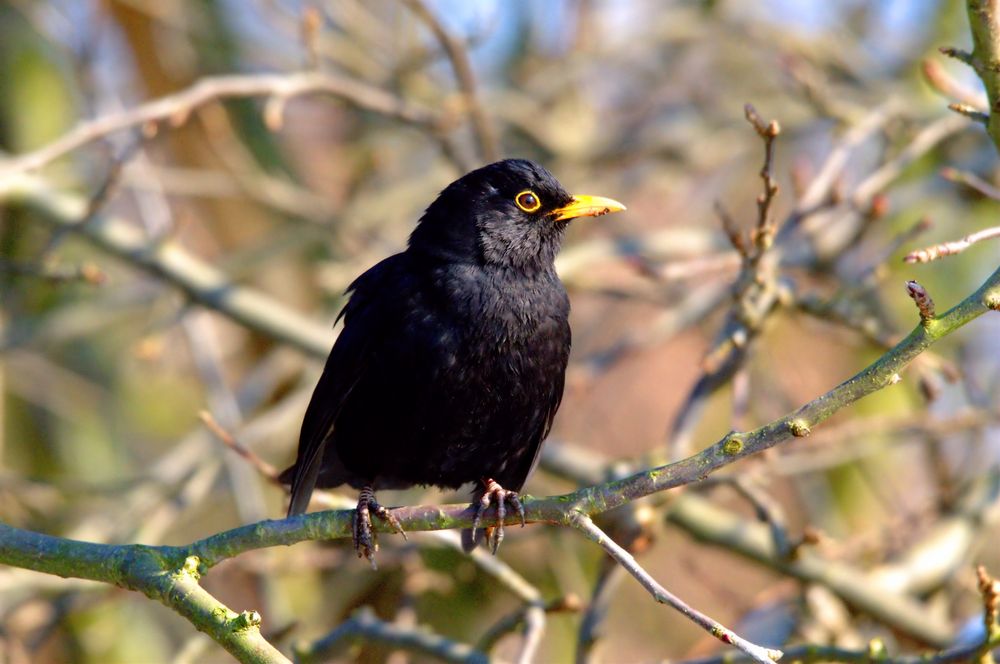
pixel 458 55
pixel 937 251
pixel 177 108
pixel 972 181
pixel 584 524
pixel 169 261
pixel 365 626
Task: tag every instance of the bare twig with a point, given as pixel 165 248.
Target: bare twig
pixel 590 626
pixel 937 251
pixel 970 112
pixel 177 108
pixel 458 55
pixel 764 232
pixel 87 272
pixel 365 626
pixel 166 259
pixel 958 54
pixel 972 181
pixel 264 468
pixel 523 617
pixel 584 524
pixel 939 79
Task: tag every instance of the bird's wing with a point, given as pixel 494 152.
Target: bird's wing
pixel 555 395
pixel 364 316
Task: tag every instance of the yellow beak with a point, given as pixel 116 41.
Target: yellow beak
pixel 587 206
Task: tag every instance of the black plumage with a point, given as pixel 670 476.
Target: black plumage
pixel 451 362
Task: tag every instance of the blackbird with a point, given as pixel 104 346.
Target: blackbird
pixel 451 362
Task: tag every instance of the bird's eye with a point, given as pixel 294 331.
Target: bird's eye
pixel 528 201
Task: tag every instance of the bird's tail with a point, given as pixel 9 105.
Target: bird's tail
pixel 301 487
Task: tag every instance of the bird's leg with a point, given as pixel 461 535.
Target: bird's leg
pixel 492 491
pixel 365 539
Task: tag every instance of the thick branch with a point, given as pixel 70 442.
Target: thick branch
pixel 168 580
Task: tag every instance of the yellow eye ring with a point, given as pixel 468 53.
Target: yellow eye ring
pixel 528 201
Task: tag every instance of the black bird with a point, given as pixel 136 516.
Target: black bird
pixel 451 363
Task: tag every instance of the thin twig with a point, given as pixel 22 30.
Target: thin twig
pixel 170 262
pixel 972 181
pixel 87 272
pixel 177 108
pixel 584 524
pixel 365 626
pixel 764 232
pixel 937 251
pixel 266 470
pixel 607 582
pixel 521 617
pixel 946 84
pixel 458 55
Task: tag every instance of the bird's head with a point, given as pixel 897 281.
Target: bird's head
pixel 511 213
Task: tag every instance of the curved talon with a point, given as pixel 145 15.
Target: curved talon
pixel 364 536
pixel 494 492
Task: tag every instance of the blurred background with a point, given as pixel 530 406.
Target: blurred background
pixel 115 255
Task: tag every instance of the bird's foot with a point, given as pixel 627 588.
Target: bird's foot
pixel 365 539
pixel 493 492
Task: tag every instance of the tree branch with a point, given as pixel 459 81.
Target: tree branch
pixel 365 626
pixel 168 260
pixel 584 524
pixel 147 570
pixel 177 108
pixel 984 20
pixel 154 570
pixel 458 55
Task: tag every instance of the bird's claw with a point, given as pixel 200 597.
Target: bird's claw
pixel 364 536
pixel 494 492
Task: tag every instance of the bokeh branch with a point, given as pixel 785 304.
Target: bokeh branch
pixel 168 260
pixel 175 109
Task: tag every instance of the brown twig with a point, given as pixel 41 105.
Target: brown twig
pixel 264 468
pixel 764 232
pixel 199 280
pixel 944 83
pixel 311 24
pixel 989 588
pixel 732 230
